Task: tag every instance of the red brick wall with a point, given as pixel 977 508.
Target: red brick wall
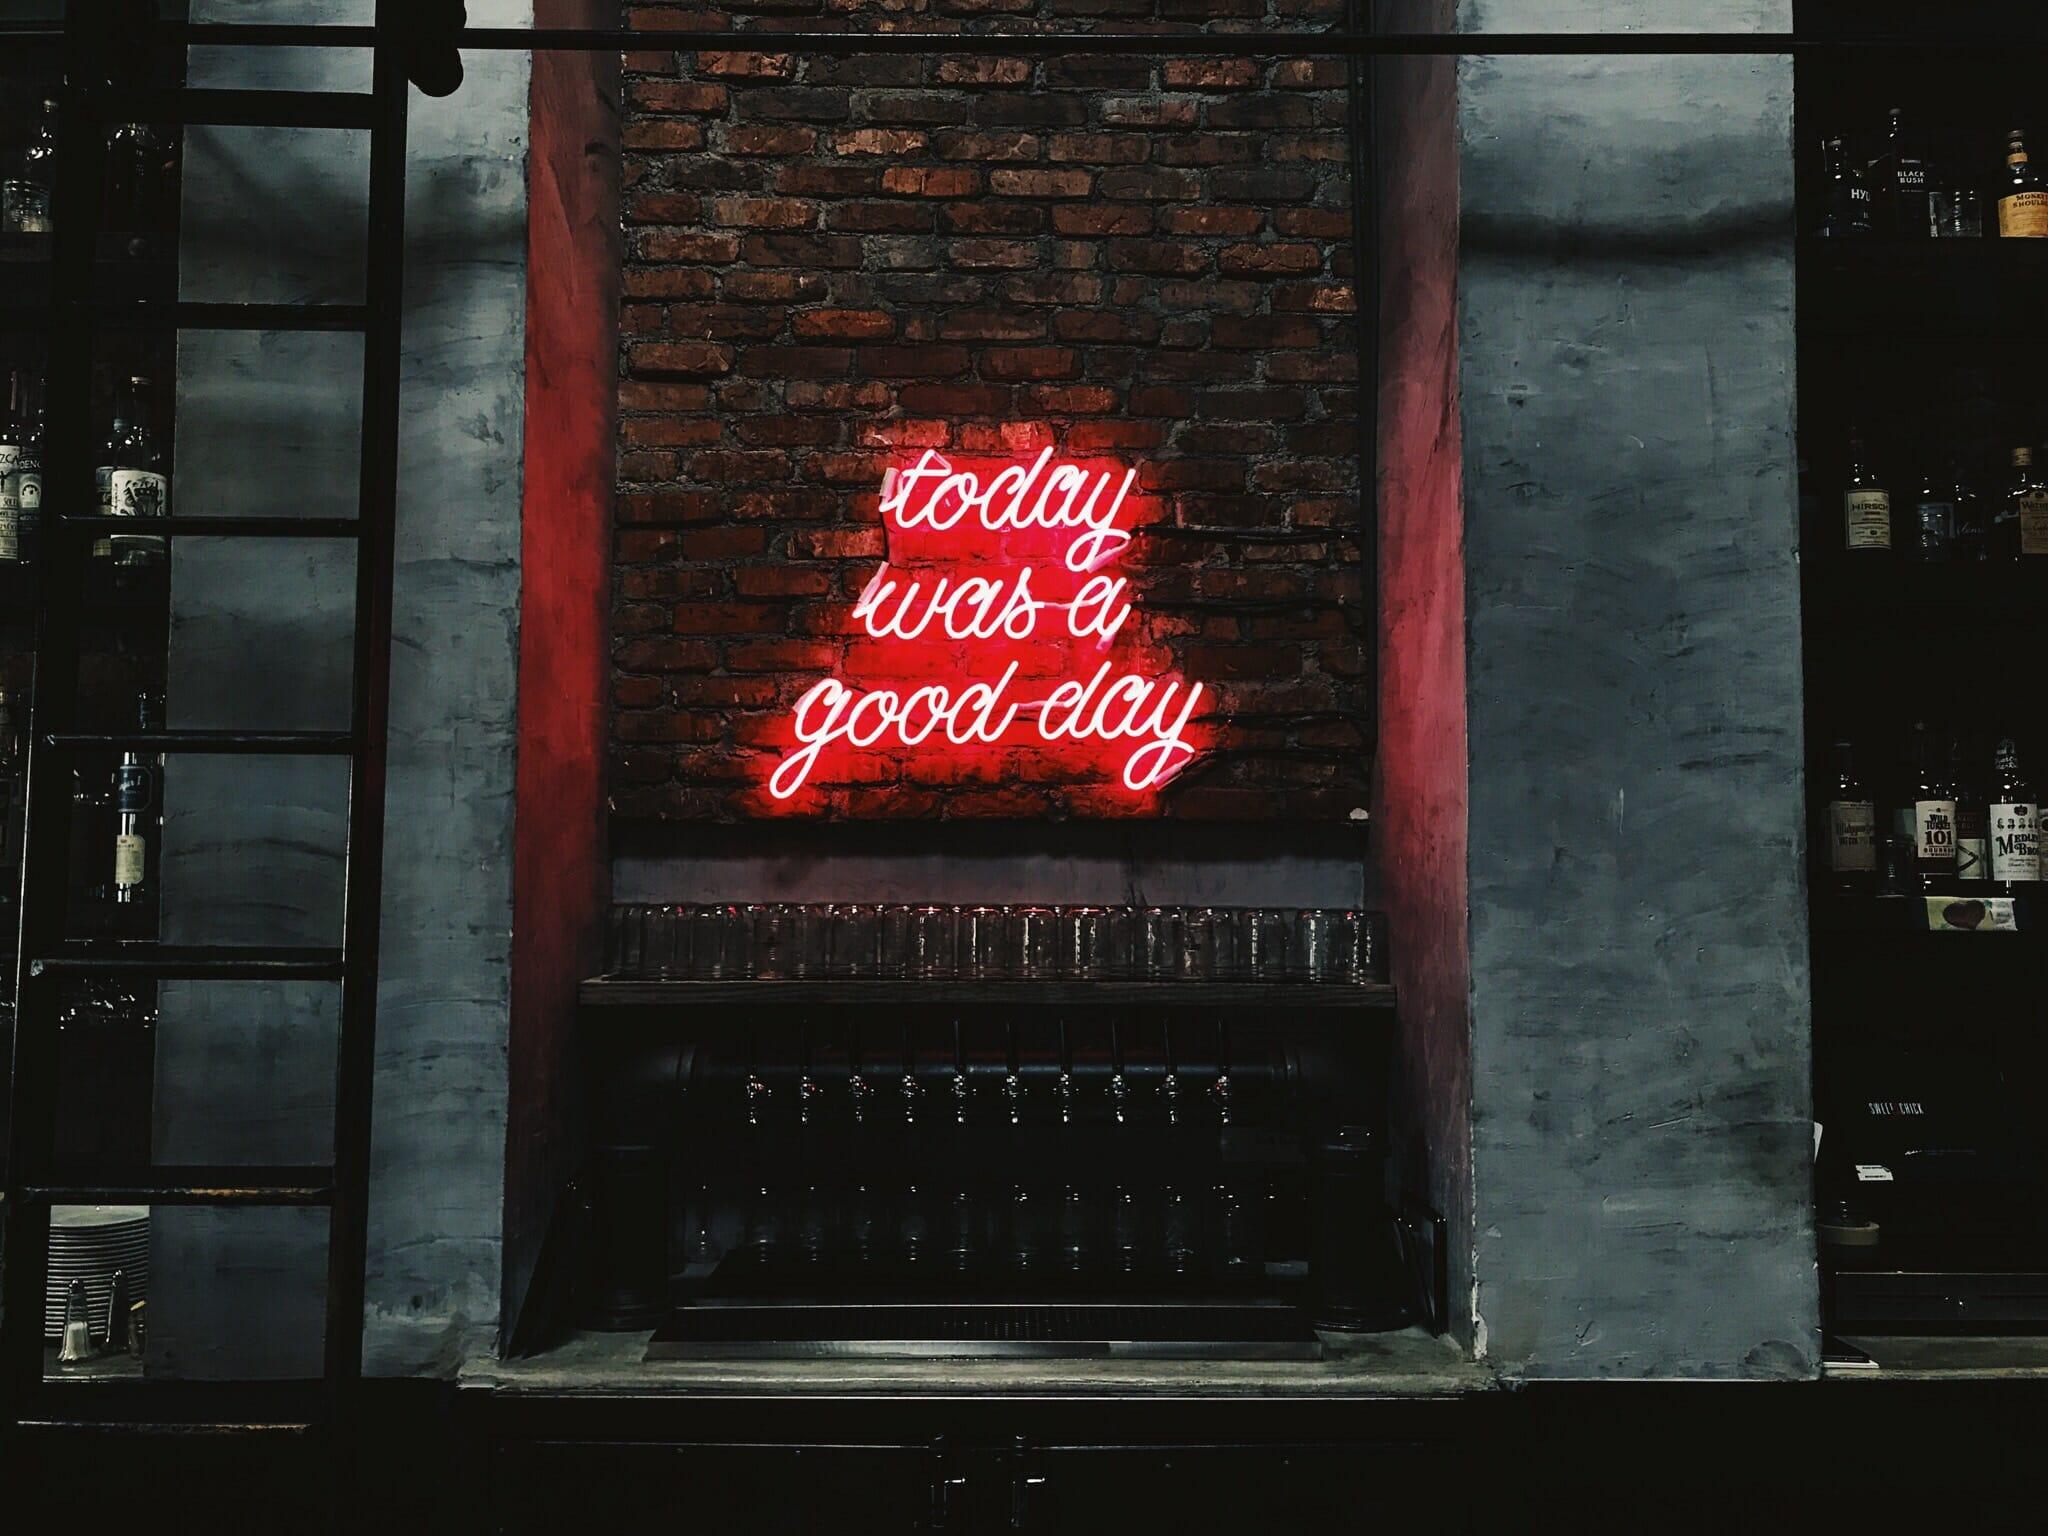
pixel 835 263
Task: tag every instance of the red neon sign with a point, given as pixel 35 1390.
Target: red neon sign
pixel 996 640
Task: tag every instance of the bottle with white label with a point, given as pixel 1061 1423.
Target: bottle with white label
pixel 2015 824
pixel 135 783
pixel 23 490
pixel 1851 826
pixel 1866 505
pixel 1934 811
pixel 130 479
pixel 1973 821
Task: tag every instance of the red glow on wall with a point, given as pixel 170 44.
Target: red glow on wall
pixel 997 642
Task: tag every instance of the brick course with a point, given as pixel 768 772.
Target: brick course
pixel 835 263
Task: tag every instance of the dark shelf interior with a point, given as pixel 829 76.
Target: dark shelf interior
pixel 1277 998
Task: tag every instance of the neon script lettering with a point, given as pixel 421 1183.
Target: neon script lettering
pixel 999 574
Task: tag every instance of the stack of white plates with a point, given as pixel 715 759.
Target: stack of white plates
pixel 90 1242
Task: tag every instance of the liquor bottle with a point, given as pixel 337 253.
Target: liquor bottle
pixel 1899 184
pixel 1851 826
pixel 1846 195
pixel 2022 201
pixel 25 192
pixel 1934 514
pixel 135 801
pixel 141 179
pixel 2015 823
pixel 25 482
pixel 11 762
pixel 1973 822
pixel 2020 525
pixel 11 432
pixel 1866 504
pixel 130 479
pixel 1934 810
pixel 1971 541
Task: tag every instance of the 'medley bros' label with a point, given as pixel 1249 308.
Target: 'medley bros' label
pixel 2015 842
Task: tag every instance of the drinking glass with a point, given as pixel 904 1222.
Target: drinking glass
pixel 1126 939
pixel 981 935
pixel 1084 942
pixel 771 929
pixel 1308 954
pixel 854 936
pixel 628 940
pixel 715 936
pixel 1262 943
pixel 1034 942
pixel 666 941
pixel 1160 935
pixel 934 941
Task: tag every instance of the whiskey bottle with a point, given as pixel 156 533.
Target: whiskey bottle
pixel 2015 823
pixel 11 762
pixel 1934 514
pixel 1866 504
pixel 130 479
pixel 1846 195
pixel 140 183
pixel 1851 826
pixel 25 191
pixel 135 781
pixel 1973 822
pixel 1899 184
pixel 1934 810
pixel 1971 540
pixel 10 456
pixel 2020 525
pixel 2022 201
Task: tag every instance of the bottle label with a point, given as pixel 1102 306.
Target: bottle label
pixel 1852 837
pixel 2033 514
pixel 131 857
pixel 10 533
pixel 1973 843
pixel 28 487
pixel 2023 216
pixel 1868 519
pixel 2015 842
pixel 1934 831
pixel 136 493
pixel 10 464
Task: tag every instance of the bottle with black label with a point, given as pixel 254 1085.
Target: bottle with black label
pixel 1845 195
pixel 1973 822
pixel 1934 810
pixel 2020 525
pixel 130 479
pixel 1866 504
pixel 2022 201
pixel 25 482
pixel 1971 542
pixel 1899 183
pixel 1851 826
pixel 2015 824
pixel 1934 514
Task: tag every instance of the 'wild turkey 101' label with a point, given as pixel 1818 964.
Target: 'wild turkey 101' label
pixel 2015 842
pixel 1934 832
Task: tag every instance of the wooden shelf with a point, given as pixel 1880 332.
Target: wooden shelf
pixel 1834 912
pixel 1277 996
pixel 1896 592
pixel 1871 292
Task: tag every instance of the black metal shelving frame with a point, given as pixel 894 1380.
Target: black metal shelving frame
pixel 71 314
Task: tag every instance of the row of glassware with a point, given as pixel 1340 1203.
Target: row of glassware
pixel 866 941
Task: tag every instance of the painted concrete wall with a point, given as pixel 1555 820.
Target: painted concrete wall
pixel 1641 1103
pixel 261 636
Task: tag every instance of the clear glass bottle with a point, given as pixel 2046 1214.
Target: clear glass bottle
pixel 1851 829
pixel 26 192
pixel 1934 514
pixel 135 814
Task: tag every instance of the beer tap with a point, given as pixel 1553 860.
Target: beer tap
pixel 807 1089
pixel 1169 1086
pixel 960 1088
pixel 758 1092
pixel 1119 1085
pixel 1220 1089
pixel 859 1090
pixel 908 1089
pixel 1013 1079
pixel 1064 1088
